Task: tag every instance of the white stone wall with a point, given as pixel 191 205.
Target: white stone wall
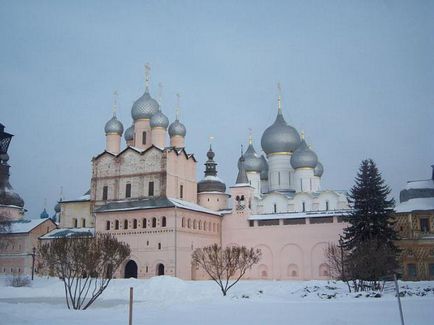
pixel 280 172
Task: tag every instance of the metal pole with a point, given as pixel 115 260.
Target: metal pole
pixel 33 261
pixel 399 299
pixel 130 322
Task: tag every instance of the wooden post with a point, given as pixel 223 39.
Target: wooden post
pixel 399 299
pixel 131 307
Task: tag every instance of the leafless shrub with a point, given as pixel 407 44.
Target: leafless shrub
pixel 18 281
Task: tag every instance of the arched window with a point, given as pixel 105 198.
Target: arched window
pixel 83 223
pixel 154 222
pixel 189 223
pixel 275 207
pixel 128 190
pixel 327 205
pixel 159 245
pixel 116 224
pixel 204 225
pixel 200 225
pixel 183 222
pixel 242 197
pixel 75 222
pixel 237 198
pixel 135 223
pixel 213 227
pixel 304 206
pixel 144 223
pixel 144 137
pixel 107 225
pixel 125 224
pixel 194 224
pixel 163 222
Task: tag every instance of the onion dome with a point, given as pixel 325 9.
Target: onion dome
pixel 304 157
pixel 9 197
pixel 264 169
pixel 159 120
pixel 318 170
pixel 144 107
pixel 252 161
pixel 44 214
pixel 177 128
pixel 242 176
pixel 129 133
pixel 280 137
pixel 114 126
pixel 211 183
pixel 57 207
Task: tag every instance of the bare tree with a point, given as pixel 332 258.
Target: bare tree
pixel 86 265
pixel 225 264
pixel 337 258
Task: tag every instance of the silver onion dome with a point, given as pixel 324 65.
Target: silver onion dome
pixel 57 207
pixel 318 170
pixel 264 169
pixel 177 128
pixel 114 126
pixel 304 157
pixel 159 120
pixel 252 161
pixel 144 107
pixel 280 137
pixel 129 133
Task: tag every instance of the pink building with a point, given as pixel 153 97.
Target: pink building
pixel 147 195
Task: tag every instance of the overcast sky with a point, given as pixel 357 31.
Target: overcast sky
pixel 357 77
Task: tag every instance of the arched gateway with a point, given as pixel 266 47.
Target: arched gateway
pixel 160 269
pixel 131 270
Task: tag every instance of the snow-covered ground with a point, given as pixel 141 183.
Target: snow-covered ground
pixel 168 300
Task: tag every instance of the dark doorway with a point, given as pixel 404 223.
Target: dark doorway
pixel 160 269
pixel 131 270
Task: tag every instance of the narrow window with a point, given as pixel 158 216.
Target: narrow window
pixel 163 222
pixel 154 222
pixel 83 223
pixel 159 245
pixel 424 224
pixel 251 223
pixel 147 269
pixel 200 225
pixel 128 190
pixel 181 191
pixel 275 208
pixel 144 223
pixel 144 137
pixel 105 193
pixel 135 223
pixel 75 223
pixel 304 206
pixel 151 189
pixel 189 223
pixel 289 179
pixel 301 185
pixel 278 178
pixel 125 224
pixel 116 224
pixel 327 205
pixel 183 222
pixel 194 224
pixel 204 225
pixel 310 184
pixel 107 225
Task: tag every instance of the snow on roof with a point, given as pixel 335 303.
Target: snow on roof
pixel 69 232
pixel 25 225
pixel 427 183
pixel 212 178
pixel 297 215
pixel 417 204
pixel 241 185
pixel 192 206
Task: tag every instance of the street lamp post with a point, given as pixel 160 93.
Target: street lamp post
pixel 33 261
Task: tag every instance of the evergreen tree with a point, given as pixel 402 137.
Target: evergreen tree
pixel 371 217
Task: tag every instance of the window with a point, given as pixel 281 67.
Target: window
pixel 154 222
pixel 183 222
pixel 411 270
pixel 144 137
pixel 278 178
pixel 163 222
pixel 159 245
pixel 75 223
pixel 125 224
pixel 147 269
pixel 273 222
pixel 275 207
pixel 289 179
pixel 327 205
pixel 151 189
pixel 116 224
pixel 424 224
pixel 181 191
pixel 189 223
pixel 105 193
pixel 200 225
pixel 135 223
pixel 321 220
pixel 83 223
pixel 304 206
pixel 204 225
pixel 128 190
pixel 107 225
pixel 144 223
pixel 295 221
pixel 431 269
pixel 301 186
pixel 251 223
pixel 194 224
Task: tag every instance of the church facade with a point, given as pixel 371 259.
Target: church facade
pixel 146 194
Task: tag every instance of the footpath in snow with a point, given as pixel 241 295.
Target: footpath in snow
pixel 168 300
